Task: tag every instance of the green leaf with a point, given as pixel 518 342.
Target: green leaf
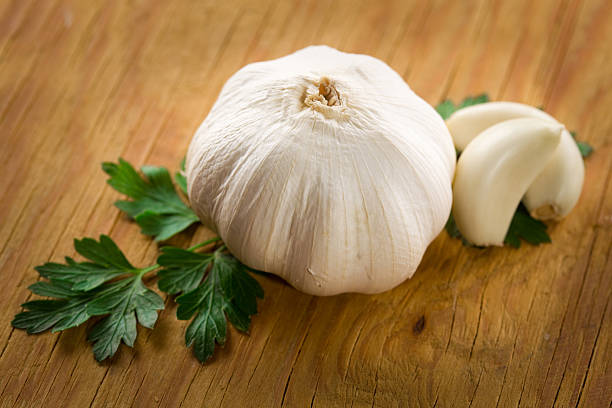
pixel 108 263
pixel 447 108
pixel 584 148
pixel 56 289
pixel 155 204
pixel 110 287
pixel 451 227
pixel 208 326
pixel 452 230
pixel 110 331
pixel 163 226
pixel 124 300
pixel 182 270
pixel 66 311
pixel 227 290
pixel 469 101
pixel 180 179
pixel 238 286
pixel 525 227
pixel 104 252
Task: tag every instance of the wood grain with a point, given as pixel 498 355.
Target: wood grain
pixel 85 82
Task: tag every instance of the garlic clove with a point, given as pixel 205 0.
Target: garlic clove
pixel 465 124
pixel 494 172
pixel 557 189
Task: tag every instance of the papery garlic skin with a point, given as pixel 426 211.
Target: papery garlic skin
pixel 556 190
pixel 325 169
pixel 493 173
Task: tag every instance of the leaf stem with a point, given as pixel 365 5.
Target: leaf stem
pixel 144 271
pixel 201 244
pixel 148 269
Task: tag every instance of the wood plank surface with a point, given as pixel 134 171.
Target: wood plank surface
pixel 83 82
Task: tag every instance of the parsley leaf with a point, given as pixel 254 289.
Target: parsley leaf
pixel 126 301
pixel 69 309
pixel 108 263
pixel 183 270
pixel 453 231
pixel 109 285
pixel 585 148
pixel 208 297
pixel 164 226
pixel 451 227
pixel 240 291
pixel 154 203
pixel 523 226
pixel 180 179
pixel 209 325
pixel 447 107
pixel 469 101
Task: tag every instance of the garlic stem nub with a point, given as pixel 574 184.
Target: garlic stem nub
pixel 329 92
pixel 556 190
pixel 494 172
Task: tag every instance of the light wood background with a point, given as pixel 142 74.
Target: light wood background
pixel 86 81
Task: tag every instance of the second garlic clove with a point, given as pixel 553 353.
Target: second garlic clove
pixel 556 190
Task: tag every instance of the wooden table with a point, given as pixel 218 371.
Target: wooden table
pixel 82 82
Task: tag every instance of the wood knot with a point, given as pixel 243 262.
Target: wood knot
pixel 419 325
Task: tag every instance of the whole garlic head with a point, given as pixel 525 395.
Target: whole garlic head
pixel 323 168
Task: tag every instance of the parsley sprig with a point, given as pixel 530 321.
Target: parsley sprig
pixel 523 226
pixel 214 285
pixel 81 290
pixel 155 204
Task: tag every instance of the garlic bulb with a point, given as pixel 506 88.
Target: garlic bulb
pixel 325 169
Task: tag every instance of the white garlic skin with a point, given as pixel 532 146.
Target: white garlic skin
pixel 323 168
